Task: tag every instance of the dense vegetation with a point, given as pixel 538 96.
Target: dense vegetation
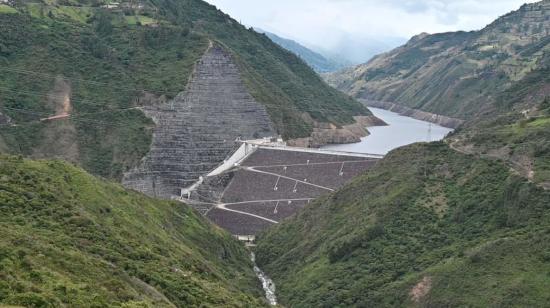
pixel 108 60
pixel 521 140
pixel 463 231
pixel 457 74
pixel 69 239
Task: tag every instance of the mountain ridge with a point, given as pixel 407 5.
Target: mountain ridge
pixel 319 62
pixel 457 74
pixel 460 222
pixel 426 217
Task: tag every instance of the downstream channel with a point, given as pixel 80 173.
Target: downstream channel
pixel 400 131
pixel 267 283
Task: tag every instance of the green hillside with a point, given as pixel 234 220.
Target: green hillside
pixel 459 223
pixel 457 74
pixel 69 239
pixel 519 131
pixel 521 140
pixel 110 58
pixel 428 227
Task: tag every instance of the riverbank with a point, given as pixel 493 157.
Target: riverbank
pixel 415 113
pixel 400 131
pixel 327 133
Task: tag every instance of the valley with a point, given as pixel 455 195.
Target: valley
pixel 160 154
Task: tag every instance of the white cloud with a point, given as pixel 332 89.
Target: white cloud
pixel 326 23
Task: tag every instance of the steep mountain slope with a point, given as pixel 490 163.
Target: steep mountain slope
pixel 521 139
pixel 195 132
pixel 427 227
pixel 100 62
pixel 318 62
pixel 69 239
pixel 458 223
pixel 456 74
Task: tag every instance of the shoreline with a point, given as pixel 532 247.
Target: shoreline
pixel 438 119
pixel 327 134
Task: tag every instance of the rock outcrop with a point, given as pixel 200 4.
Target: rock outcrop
pixel 197 130
pixel 325 133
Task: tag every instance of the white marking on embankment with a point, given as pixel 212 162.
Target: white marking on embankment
pixel 286 177
pixel 222 207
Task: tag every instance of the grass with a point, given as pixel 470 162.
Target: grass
pixel 516 139
pixel 69 239
pixel 142 20
pixel 78 14
pixel 6 9
pixel 477 232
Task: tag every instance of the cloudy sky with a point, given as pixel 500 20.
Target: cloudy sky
pixel 329 24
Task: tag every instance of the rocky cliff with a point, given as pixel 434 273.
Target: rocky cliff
pixel 327 133
pixel 197 130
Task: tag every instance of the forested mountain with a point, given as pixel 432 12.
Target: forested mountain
pixel 69 239
pixel 462 222
pixel 100 62
pixel 457 74
pixel 318 62
pixel 428 227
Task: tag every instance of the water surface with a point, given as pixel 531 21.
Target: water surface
pixel 400 131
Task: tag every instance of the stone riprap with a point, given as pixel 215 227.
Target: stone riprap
pixel 197 130
pixel 271 185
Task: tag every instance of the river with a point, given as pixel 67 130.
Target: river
pixel 267 284
pixel 400 131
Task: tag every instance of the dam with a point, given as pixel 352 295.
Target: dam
pixel 213 148
pixel 269 182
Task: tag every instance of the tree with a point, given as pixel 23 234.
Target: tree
pixel 103 24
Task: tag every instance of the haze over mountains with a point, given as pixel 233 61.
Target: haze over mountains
pixel 319 62
pixel 359 29
pixel 456 74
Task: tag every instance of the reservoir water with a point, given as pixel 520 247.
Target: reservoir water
pixel 400 131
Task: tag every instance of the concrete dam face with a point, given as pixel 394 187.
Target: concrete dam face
pixel 197 130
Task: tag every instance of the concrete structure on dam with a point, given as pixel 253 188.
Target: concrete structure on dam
pixel 268 183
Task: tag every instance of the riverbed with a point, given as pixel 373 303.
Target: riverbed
pixel 400 131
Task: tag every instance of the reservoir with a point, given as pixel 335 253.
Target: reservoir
pixel 400 131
